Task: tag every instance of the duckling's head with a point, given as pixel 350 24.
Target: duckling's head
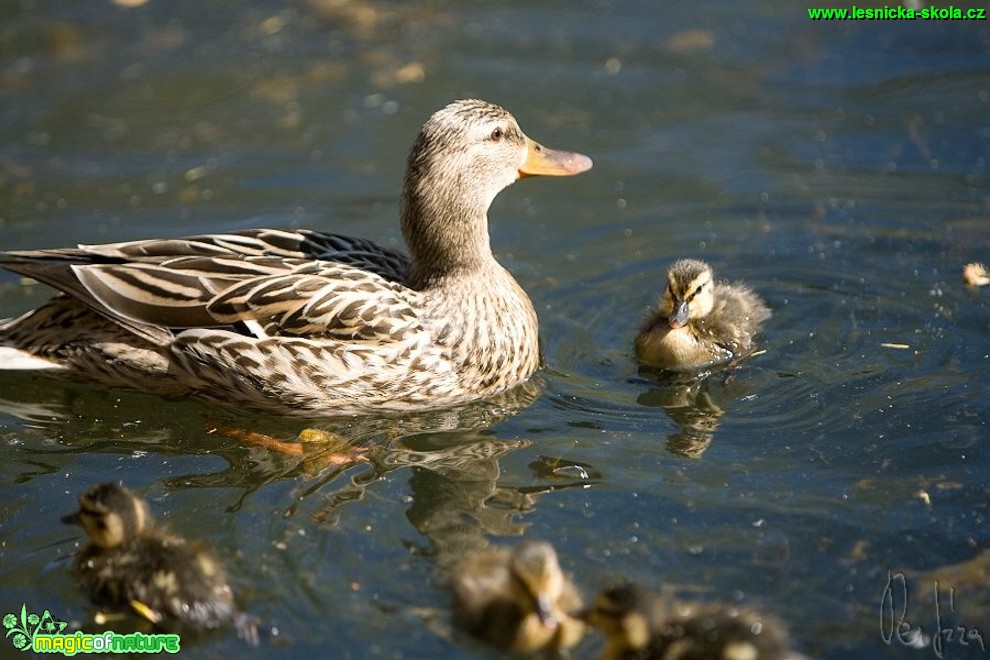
pixel 111 515
pixel 689 293
pixel 536 570
pixel 464 155
pixel 624 613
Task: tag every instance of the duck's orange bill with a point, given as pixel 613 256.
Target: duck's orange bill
pixel 541 161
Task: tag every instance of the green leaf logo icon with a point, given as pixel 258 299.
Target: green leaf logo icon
pixel 23 629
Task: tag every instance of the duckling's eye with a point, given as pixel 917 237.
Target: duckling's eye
pixel 698 290
pixel 496 135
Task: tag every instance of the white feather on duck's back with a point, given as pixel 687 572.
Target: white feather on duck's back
pixel 302 321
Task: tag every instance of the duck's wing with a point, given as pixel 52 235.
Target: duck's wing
pixel 147 299
pixel 358 252
pixel 254 281
pixel 301 244
pixel 322 300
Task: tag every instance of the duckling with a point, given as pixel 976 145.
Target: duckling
pixel 128 561
pixel 517 599
pixel 699 322
pixel 639 625
pixel 298 321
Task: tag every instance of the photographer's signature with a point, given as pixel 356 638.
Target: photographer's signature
pixel 895 624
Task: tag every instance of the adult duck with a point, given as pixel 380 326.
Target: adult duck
pixel 302 321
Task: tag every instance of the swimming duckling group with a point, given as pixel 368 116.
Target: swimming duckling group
pixel 520 600
pixel 517 598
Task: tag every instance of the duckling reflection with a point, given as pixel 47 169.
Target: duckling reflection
pixel 128 561
pixel 457 499
pixel 517 598
pixel 639 625
pixel 693 408
pixel 699 322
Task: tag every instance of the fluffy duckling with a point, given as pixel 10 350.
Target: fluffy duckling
pixel 700 322
pixel 639 625
pixel 517 599
pixel 130 562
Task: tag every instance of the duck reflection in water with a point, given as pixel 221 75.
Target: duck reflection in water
pixel 341 458
pixel 692 406
pixel 457 497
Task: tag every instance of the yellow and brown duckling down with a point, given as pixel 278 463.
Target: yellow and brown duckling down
pixel 130 562
pixel 700 322
pixel 302 321
pixel 517 598
pixel 639 625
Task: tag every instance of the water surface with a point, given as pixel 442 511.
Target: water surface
pixel 841 169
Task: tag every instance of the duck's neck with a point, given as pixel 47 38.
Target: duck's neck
pixel 446 233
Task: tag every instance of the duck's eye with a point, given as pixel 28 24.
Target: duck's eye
pixel 497 135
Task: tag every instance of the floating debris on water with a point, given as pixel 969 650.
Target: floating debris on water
pixel 975 274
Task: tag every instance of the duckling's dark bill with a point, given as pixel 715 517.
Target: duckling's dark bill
pixel 544 610
pixel 680 316
pixel 541 161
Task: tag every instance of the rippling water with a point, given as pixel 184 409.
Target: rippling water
pixel 841 169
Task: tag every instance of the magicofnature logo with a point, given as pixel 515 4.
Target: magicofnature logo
pixel 45 634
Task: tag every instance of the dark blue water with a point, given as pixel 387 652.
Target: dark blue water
pixel 840 169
